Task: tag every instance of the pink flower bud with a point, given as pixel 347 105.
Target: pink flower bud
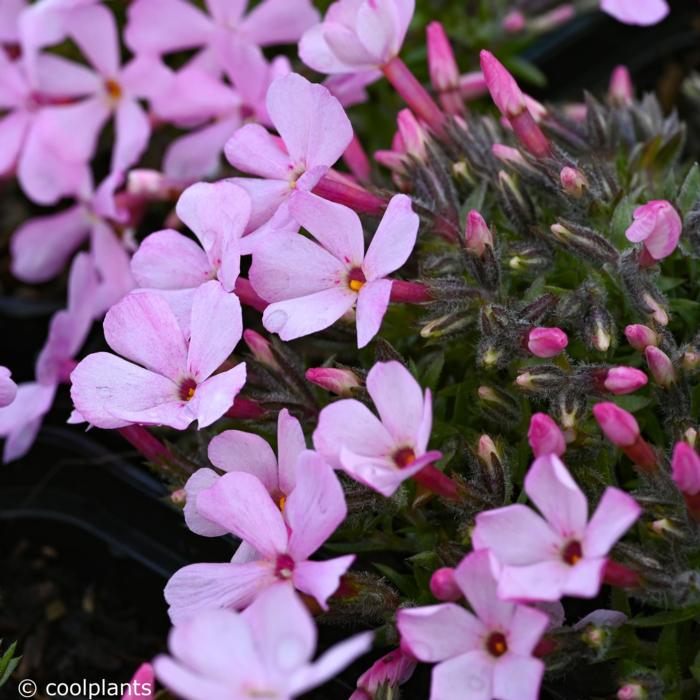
pixel 443 585
pixel 658 225
pixel 640 336
pixel 508 154
pixel 658 313
pixel 472 85
pixel 685 468
pixel 360 694
pixel 261 348
pixel 514 22
pixel 444 73
pixel 413 135
pixel 660 366
pixel 624 380
pixel 621 90
pixel 619 426
pixel 546 342
pixel 393 669
pixel 337 381
pixel 179 497
pixel 631 691
pixel 573 182
pixel 478 235
pixel 487 450
pixel 576 111
pixel 545 436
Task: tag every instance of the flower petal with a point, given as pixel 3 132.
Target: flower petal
pixel 473 671
pixel 438 632
pixel 201 480
pixel 132 132
pixel 542 581
pixel 290 444
pixel 279 21
pixel 205 586
pixel 143 329
pixel 321 579
pixel 372 303
pixel 518 678
pixel 216 395
pixel 614 515
pixel 240 503
pixel 394 240
pixel 252 149
pixel 315 507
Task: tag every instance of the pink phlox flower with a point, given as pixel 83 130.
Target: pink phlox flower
pixel 217 213
pixel 264 652
pixel 164 26
pixel 562 553
pixel 46 170
pixel 21 420
pixel 283 540
pixel 168 377
pixel 357 35
pixel 379 452
pixel 485 654
pixel 238 451
pixel 658 226
pixel 311 284
pixel 42 246
pixel 314 132
pixel 642 12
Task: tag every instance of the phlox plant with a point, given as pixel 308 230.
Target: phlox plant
pixel 442 397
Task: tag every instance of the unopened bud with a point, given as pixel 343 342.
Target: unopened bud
pixel 179 497
pixel 478 235
pixel 342 382
pixel 542 378
pixel 472 86
pixel 639 336
pixel 444 73
pixel 664 527
pixel 624 380
pixel 691 436
pixel 585 241
pixel 691 360
pixel 443 585
pixel 573 182
pixel 261 348
pixel 685 468
pixel 508 155
pixel 621 90
pixel 545 436
pixel 552 19
pixel 413 135
pixel 600 327
pixel 514 22
pixel 655 310
pixel 547 342
pixel 660 366
pixel 632 691
pixel 619 426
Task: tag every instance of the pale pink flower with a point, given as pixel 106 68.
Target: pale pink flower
pixel 142 684
pixel 42 246
pixel 263 652
pixel 217 213
pixel 562 553
pixel 380 452
pixel 238 451
pixel 658 226
pixel 357 35
pixel 481 655
pixel 8 389
pixel 10 11
pixel 280 542
pixel 314 132
pixel 164 26
pixel 46 169
pixel 642 12
pixel 169 379
pixel 311 285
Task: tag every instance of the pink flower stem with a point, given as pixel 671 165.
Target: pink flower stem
pixel 247 295
pixel 434 480
pixel 148 445
pixel 409 292
pixel 353 196
pixel 357 160
pixel 414 94
pixel 644 456
pixel 620 576
pixel 245 409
